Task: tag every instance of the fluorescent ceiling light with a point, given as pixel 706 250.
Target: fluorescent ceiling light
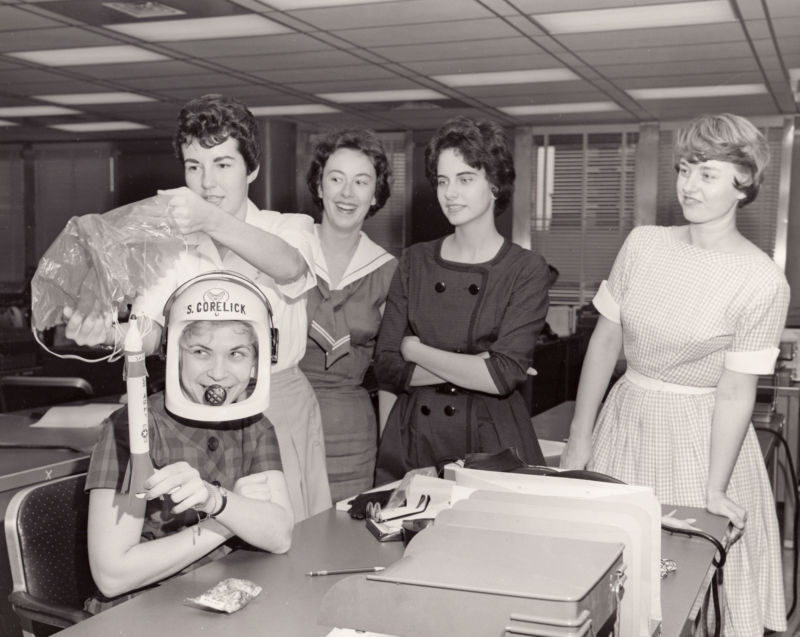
pixel 36 111
pixel 575 107
pixel 683 92
pixel 643 17
pixel 506 77
pixel 294 109
pixel 91 127
pixel 382 96
pixel 231 26
pixel 5 122
pixel 290 5
pixel 94 98
pixel 81 56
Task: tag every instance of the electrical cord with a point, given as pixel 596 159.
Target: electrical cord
pixel 718 562
pixel 795 486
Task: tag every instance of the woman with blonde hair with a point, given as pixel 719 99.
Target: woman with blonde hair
pixel 699 311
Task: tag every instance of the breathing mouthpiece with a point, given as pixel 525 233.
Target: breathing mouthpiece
pixel 215 395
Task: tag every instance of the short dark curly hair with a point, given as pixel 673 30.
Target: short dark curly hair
pixel 363 140
pixel 481 144
pixel 211 119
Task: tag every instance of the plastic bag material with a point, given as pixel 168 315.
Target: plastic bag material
pixel 228 596
pixel 101 262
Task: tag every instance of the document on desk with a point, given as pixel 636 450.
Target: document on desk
pixel 349 632
pixel 76 416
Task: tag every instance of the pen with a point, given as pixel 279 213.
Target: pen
pixel 345 571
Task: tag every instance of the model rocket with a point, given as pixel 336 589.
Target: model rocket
pixel 140 467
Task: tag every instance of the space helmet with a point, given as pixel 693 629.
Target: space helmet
pixel 218 341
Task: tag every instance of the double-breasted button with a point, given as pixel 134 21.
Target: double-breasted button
pixel 449 410
pixel 425 410
pixel 440 286
pixel 474 289
pixel 213 443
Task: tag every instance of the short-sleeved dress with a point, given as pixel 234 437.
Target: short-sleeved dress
pixel 221 452
pixel 497 307
pixel 343 328
pixel 688 313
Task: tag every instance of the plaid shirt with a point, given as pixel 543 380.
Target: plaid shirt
pixel 221 452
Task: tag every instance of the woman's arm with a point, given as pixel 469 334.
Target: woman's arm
pixel 264 521
pixel 264 250
pixel 733 408
pixel 120 562
pixel 598 366
pixel 435 365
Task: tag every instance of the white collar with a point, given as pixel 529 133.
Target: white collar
pixel 369 256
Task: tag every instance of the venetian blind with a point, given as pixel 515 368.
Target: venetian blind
pixel 583 198
pixel 12 217
pixel 757 221
pixel 387 227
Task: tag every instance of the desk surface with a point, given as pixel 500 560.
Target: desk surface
pixel 30 455
pixel 290 600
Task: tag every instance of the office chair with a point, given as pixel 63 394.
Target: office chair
pixel 24 392
pixel 47 551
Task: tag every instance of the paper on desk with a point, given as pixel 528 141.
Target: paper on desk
pixel 349 632
pixel 76 416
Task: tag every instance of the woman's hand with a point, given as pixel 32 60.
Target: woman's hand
pixel 182 482
pixel 719 503
pixel 255 486
pixel 190 213
pixel 577 453
pixel 88 329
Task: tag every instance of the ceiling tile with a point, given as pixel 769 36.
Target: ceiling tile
pixel 492 47
pixel 283 43
pixel 363 72
pixel 401 13
pixel 141 70
pixel 292 61
pixel 454 31
pixel 484 64
pixel 45 39
pixel 14 19
pixel 644 38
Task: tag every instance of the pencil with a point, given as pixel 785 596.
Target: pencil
pixel 346 571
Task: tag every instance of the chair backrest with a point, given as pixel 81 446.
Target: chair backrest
pixel 23 392
pixel 45 528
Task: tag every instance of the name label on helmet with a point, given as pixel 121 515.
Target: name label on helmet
pixel 217 307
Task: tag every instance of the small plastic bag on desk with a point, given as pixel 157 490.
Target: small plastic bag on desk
pixel 100 262
pixel 228 596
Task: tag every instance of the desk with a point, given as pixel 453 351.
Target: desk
pixel 21 465
pixel 289 603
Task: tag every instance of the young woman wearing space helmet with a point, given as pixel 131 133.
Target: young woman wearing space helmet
pixel 216 466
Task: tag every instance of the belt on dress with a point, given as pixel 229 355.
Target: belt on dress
pixel 448 388
pixel 654 384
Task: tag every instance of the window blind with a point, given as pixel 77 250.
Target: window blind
pixel 12 216
pixel 583 197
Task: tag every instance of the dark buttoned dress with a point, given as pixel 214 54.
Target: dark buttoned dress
pixel 497 307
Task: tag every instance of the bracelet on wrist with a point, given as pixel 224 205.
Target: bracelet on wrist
pixel 224 497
